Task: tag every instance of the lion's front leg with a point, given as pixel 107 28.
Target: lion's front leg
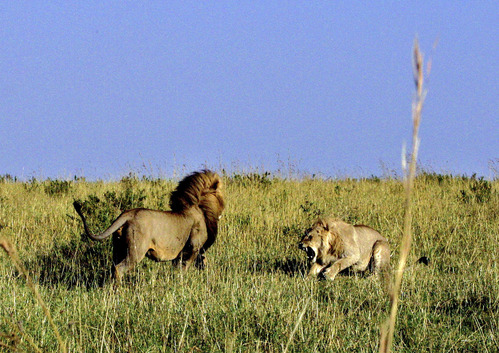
pixel 315 269
pixel 200 261
pixel 192 251
pixel 189 260
pixel 186 257
pixel 331 272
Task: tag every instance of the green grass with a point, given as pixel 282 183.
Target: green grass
pixel 253 291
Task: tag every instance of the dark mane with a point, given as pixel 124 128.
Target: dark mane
pixel 191 190
pixel 202 189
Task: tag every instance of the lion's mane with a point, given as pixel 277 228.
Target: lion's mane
pixel 202 189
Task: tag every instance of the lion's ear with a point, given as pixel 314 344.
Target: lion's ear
pixel 324 224
pixel 215 185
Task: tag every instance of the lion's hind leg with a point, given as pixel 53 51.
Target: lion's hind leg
pixel 120 269
pixel 125 266
pixel 381 257
pixel 381 264
pixel 126 256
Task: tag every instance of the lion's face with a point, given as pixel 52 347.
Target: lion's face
pixel 314 241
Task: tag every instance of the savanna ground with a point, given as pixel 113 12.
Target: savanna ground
pixel 253 291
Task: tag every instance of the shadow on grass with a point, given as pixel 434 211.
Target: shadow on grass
pixel 468 306
pixel 79 263
pixel 478 311
pixel 294 267
pixel 290 267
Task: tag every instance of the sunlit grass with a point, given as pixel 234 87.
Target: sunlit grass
pixel 252 293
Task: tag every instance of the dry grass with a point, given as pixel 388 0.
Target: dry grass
pixel 388 330
pixel 253 293
pixel 12 254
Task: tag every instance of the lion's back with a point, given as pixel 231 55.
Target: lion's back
pixel 159 222
pixel 366 237
pixel 165 232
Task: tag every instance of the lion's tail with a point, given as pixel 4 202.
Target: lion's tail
pixel 422 260
pixel 117 224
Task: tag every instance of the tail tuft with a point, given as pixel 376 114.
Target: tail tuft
pixel 77 206
pixel 423 260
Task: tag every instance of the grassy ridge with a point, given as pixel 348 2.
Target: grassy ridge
pixel 251 294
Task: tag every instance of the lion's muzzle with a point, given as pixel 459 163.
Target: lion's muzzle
pixel 308 250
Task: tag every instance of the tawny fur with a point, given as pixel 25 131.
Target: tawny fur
pixel 182 234
pixel 333 246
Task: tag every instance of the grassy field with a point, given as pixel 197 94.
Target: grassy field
pixel 253 293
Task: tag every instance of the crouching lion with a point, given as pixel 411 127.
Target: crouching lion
pixel 182 234
pixel 333 246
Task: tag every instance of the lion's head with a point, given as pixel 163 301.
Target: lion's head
pixel 320 240
pixel 212 204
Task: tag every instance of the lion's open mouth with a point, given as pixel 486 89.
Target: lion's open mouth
pixel 309 251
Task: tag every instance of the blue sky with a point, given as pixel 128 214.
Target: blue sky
pixel 100 89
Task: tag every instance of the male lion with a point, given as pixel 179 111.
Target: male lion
pixel 182 234
pixel 333 246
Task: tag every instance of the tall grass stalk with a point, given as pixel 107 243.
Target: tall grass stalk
pixel 11 251
pixel 387 332
pixel 298 321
